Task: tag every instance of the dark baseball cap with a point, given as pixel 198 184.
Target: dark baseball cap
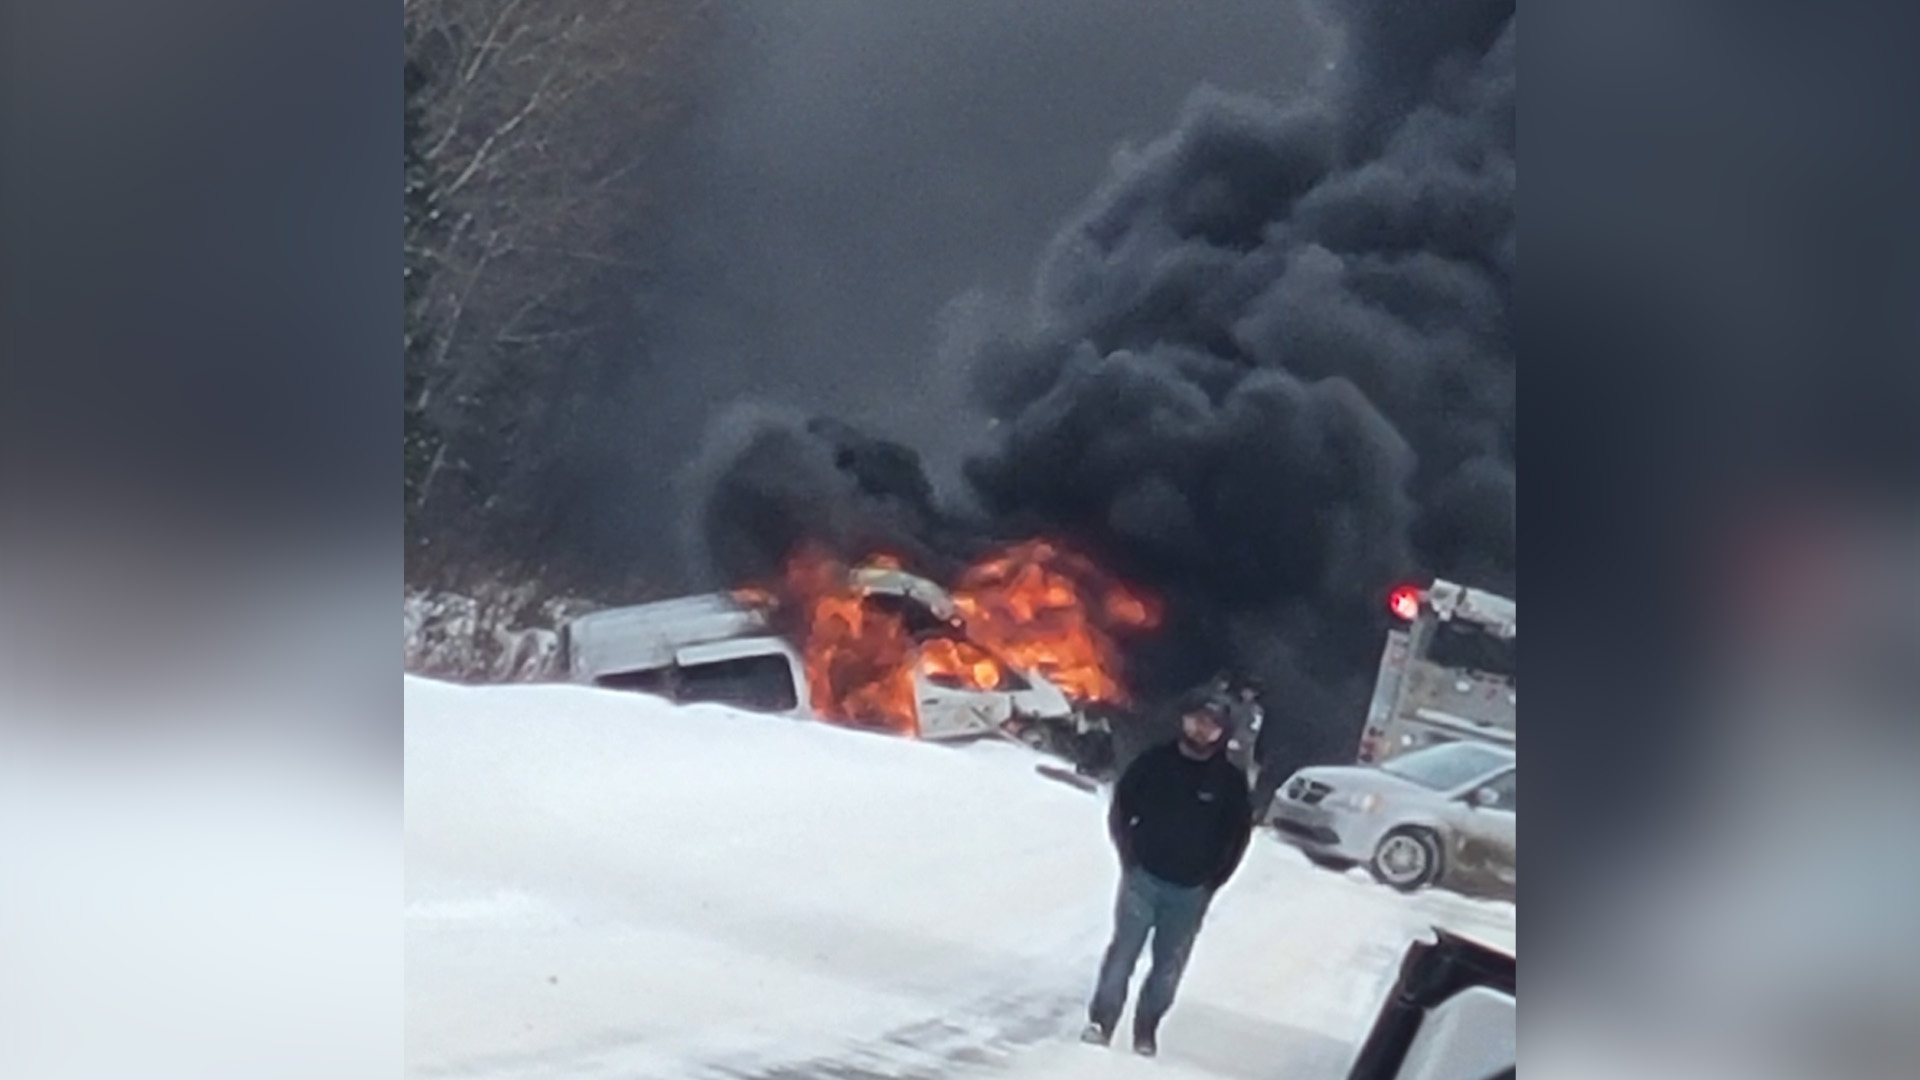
pixel 1204 701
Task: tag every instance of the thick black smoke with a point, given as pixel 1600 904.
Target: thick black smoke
pixel 1268 371
pixel 769 481
pixel 845 168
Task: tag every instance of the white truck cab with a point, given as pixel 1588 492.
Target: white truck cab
pixel 715 648
pixel 699 648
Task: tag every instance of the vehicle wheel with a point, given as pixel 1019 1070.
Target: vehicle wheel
pixel 1407 859
pixel 1329 862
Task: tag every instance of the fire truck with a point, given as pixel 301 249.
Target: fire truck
pixel 1447 673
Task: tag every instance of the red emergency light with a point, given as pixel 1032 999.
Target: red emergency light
pixel 1404 602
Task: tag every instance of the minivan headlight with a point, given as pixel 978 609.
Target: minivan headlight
pixel 1365 802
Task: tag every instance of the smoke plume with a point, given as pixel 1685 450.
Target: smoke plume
pixel 843 170
pixel 1267 370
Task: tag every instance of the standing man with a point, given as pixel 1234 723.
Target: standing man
pixel 1180 818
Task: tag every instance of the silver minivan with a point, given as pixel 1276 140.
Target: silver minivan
pixel 1442 815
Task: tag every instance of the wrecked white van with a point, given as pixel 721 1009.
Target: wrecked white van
pixel 715 648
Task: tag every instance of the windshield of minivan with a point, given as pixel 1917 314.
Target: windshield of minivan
pixel 1446 767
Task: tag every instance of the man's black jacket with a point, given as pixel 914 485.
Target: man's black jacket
pixel 1183 821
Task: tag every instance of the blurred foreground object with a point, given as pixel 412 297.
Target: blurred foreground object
pixel 1451 1013
pixel 1771 932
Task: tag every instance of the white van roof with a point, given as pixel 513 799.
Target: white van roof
pixel 645 636
pixel 641 637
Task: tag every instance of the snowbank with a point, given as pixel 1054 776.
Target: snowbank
pixel 600 881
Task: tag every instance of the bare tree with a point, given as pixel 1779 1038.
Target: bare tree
pixel 534 118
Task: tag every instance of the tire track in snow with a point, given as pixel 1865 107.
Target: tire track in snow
pixel 988 1035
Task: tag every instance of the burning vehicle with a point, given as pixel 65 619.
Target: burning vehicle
pixel 1020 647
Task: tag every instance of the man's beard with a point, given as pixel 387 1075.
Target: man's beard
pixel 1195 749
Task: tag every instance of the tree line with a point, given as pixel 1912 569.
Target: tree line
pixel 530 130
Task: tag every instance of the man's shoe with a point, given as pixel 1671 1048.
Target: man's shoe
pixel 1096 1034
pixel 1144 1045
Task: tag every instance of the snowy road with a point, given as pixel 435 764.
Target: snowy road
pixel 601 884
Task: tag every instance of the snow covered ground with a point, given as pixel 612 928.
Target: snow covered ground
pixel 603 884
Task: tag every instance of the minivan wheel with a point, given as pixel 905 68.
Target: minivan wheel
pixel 1406 859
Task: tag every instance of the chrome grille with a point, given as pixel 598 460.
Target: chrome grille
pixel 1310 792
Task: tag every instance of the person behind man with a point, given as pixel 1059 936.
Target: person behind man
pixel 1243 730
pixel 1180 819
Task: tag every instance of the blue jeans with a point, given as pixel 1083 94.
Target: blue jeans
pixel 1172 914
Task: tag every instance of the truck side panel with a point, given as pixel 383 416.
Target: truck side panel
pixel 1386 695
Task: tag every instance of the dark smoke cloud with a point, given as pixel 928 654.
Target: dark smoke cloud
pixel 1268 368
pixel 850 168
pixel 768 481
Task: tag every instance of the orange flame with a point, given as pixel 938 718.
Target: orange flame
pixel 1050 610
pixel 1032 606
pixel 859 657
pixel 961 663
